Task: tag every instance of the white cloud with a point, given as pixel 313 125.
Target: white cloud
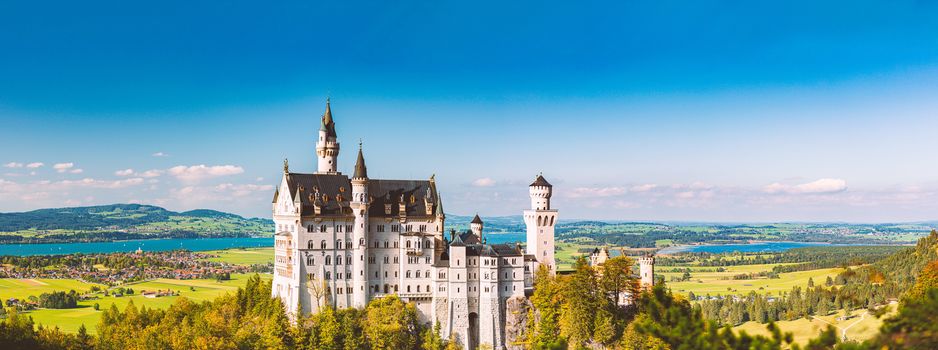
pixel 35 165
pixel 642 188
pixel 160 154
pixel 259 179
pixel 484 182
pixel 151 173
pixel 13 165
pixel 585 192
pixel 200 172
pixel 63 167
pixel 125 172
pixel 820 186
pixel 76 171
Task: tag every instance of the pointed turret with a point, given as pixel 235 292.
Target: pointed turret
pixel 327 147
pixel 361 171
pixel 327 124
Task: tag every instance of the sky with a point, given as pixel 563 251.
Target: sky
pixel 721 111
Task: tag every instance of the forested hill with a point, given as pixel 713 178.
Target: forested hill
pixel 124 221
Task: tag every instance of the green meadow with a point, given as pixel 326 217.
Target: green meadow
pixel 243 256
pixel 69 320
pixel 23 288
pixel 722 283
pixel 861 326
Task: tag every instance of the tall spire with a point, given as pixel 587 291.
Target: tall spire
pixel 361 171
pixel 328 125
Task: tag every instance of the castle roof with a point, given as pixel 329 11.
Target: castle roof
pixel 333 193
pixel 328 125
pixel 456 242
pixel 361 171
pixel 477 219
pixel 540 181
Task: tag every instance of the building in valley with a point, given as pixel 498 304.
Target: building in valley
pixel 343 241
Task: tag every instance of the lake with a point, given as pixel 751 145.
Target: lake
pixel 151 245
pixel 193 244
pixel 767 247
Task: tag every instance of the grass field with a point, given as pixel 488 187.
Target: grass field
pixel 862 327
pixel 721 283
pixel 23 288
pixel 244 256
pixel 69 320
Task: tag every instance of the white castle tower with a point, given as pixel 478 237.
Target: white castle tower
pixel 327 147
pixel 359 205
pixel 540 220
pixel 647 270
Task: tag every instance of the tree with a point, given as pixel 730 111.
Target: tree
pixel 617 279
pixel 391 324
pixel 544 330
pixel 580 305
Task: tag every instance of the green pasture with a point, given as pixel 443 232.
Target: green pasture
pixel 861 327
pixel 722 283
pixel 23 288
pixel 243 256
pixel 69 320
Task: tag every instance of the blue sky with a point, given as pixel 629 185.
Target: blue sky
pixel 700 111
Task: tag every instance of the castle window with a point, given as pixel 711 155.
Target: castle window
pixel 423 228
pixel 380 228
pixel 407 274
pixel 361 242
pixel 338 244
pixel 376 244
pixel 396 260
pixel 395 228
pixel 328 276
pixel 395 244
pixel 385 259
pixel 426 243
pixel 322 228
pixel 322 245
pixel 310 261
pixel 418 289
pixel 385 244
pixel 348 228
pixel 385 288
pixel 408 244
pixel 338 197
pixel 338 260
pixel 426 274
pixel 348 260
pixel 309 244
pixel 427 259
pixel 348 245
pixel 328 259
pixel 371 260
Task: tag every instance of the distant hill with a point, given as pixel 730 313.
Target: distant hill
pixel 124 221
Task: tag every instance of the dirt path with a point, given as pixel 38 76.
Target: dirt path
pixel 843 330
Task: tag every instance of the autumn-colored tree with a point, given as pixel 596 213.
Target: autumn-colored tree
pixel 391 324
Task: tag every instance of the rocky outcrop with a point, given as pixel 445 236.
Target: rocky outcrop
pixel 516 321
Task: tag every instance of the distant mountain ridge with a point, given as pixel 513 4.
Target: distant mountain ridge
pixel 125 221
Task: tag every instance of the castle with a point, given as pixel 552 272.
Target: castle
pixel 343 241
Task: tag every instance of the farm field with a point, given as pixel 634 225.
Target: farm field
pixel 69 320
pixel 243 256
pixel 23 288
pixel 861 327
pixel 721 283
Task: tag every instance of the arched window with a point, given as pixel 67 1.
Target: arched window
pixel 338 244
pixel 328 259
pixel 338 260
pixel 418 289
pixel 407 244
pixel 407 274
pixel 310 261
pixel 408 289
pixel 361 242
pixel 426 243
pixel 309 245
pixel 322 245
pixel 427 274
